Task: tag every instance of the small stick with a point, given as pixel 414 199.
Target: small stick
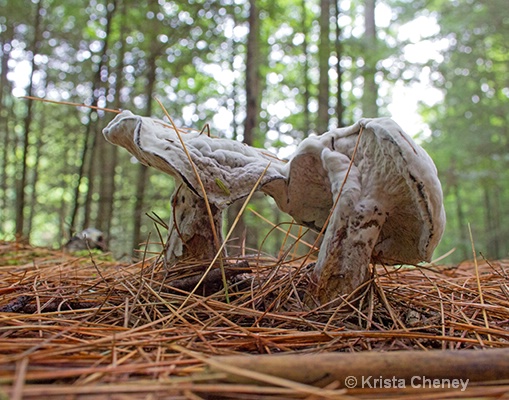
pixel 323 368
pixel 68 103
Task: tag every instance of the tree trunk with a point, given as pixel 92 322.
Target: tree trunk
pixel 143 171
pixel 498 223
pixel 75 206
pixel 109 154
pixel 252 74
pixel 491 235
pixel 462 225
pixel 94 160
pixel 86 167
pixel 5 43
pixel 20 195
pixel 35 177
pixel 305 72
pixel 252 111
pixel 63 209
pixel 4 126
pixel 322 123
pixel 340 109
pixel 90 168
pixel 370 92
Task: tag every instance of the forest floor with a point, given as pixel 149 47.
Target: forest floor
pixel 87 327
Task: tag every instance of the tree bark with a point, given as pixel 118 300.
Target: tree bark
pixel 87 166
pixel 109 154
pixel 370 92
pixel 35 177
pixel 5 87
pixel 20 195
pixel 491 235
pixel 452 180
pixel 305 71
pixel 143 171
pixel 252 110
pixel 94 161
pixel 75 206
pixel 322 123
pixel 252 74
pixel 340 109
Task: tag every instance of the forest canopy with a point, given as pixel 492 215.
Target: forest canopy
pixel 268 73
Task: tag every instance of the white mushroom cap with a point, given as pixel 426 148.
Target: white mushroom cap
pixel 389 168
pixel 228 169
pixel 90 238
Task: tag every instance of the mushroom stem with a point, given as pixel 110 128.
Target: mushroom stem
pixel 191 234
pixel 352 232
pixel 345 254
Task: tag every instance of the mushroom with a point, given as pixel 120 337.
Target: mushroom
pixel 227 169
pixel 390 208
pixel 90 238
pixel 384 206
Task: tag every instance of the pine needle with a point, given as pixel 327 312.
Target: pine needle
pixel 68 103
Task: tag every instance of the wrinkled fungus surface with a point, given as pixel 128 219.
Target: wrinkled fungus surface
pixel 390 206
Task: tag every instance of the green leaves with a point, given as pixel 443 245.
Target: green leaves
pixel 470 127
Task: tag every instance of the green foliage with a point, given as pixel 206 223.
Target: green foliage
pixel 470 140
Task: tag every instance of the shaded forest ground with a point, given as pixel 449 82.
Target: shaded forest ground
pixel 83 326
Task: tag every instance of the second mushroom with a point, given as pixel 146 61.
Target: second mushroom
pixel 380 201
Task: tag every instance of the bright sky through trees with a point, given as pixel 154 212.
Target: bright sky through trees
pixel 405 97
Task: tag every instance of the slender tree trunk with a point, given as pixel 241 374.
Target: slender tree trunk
pixel 233 210
pixel 340 109
pixel 305 71
pixel 5 43
pixel 252 110
pixel 75 206
pixel 63 207
pixel 5 87
pixel 90 170
pixel 94 160
pixel 20 196
pixel 462 225
pixel 4 177
pixel 86 168
pixel 491 233
pixel 322 123
pixel 109 154
pixel 252 74
pixel 143 171
pixel 142 175
pixel 498 223
pixel 35 177
pixel 234 93
pixel 370 92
